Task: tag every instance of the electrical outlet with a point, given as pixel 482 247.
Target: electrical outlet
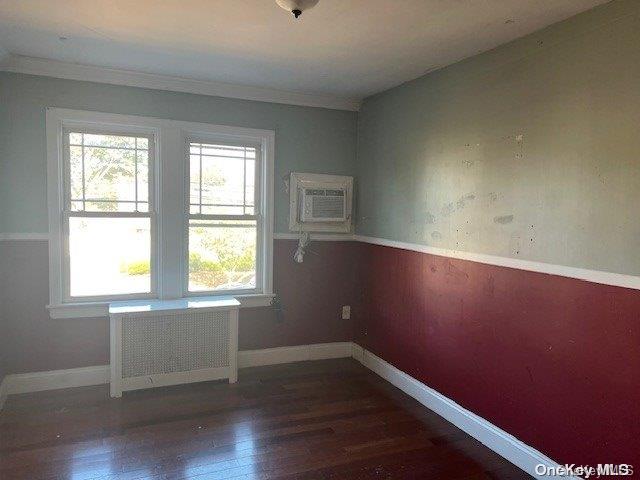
pixel 346 312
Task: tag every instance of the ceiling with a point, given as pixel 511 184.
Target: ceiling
pixel 343 48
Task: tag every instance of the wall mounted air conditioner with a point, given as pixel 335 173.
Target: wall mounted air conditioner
pixel 320 203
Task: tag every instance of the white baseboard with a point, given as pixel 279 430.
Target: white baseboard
pixel 176 378
pixel 496 439
pixel 100 374
pixel 54 379
pixel 298 353
pixel 357 352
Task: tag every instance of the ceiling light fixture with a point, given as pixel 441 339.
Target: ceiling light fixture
pixel 296 7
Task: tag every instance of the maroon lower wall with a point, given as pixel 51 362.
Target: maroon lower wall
pixel 552 360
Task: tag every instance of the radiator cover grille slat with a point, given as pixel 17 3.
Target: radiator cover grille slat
pixel 174 343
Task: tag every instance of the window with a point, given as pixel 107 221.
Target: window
pixel 223 227
pixel 108 214
pixel 128 219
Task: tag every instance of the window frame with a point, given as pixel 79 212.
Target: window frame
pixel 258 216
pixel 67 212
pixel 168 205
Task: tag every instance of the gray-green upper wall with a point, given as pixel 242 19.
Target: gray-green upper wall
pixel 531 150
pixel 307 139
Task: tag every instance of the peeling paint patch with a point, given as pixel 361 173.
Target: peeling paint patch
pixel 448 209
pixel 503 219
pixel 430 218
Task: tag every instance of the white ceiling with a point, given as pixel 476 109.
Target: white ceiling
pixel 343 48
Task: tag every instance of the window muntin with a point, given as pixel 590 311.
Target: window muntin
pixel 108 215
pixel 223 229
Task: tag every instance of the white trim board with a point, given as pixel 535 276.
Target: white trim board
pixel 504 444
pixel 101 309
pixel 39 237
pixel 298 353
pixel 114 76
pixel 316 237
pixel 55 379
pixel 594 276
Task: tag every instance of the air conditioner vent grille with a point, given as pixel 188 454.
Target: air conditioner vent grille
pixel 328 207
pixel 174 343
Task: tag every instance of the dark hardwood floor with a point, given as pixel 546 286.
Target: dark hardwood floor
pixel 309 420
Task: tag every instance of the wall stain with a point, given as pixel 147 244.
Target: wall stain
pixel 436 235
pixel 503 219
pixel 450 207
pixel 430 218
pixel 490 286
pixel 457 274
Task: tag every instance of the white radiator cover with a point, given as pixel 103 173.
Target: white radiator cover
pixel 166 343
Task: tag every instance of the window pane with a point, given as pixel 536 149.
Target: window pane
pixel 222 176
pixel 75 138
pixel 143 175
pixel 107 206
pixel 109 256
pixel 109 172
pixel 222 255
pixel 117 141
pixel 75 172
pixel 250 175
pixel 194 180
pixel 222 210
pixel 222 181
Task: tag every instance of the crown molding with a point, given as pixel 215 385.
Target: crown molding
pixel 114 76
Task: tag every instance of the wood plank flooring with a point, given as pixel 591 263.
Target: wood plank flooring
pixel 329 419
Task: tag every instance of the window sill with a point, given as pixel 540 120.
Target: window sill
pixel 101 309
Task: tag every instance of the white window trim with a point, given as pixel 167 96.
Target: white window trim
pixel 170 195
